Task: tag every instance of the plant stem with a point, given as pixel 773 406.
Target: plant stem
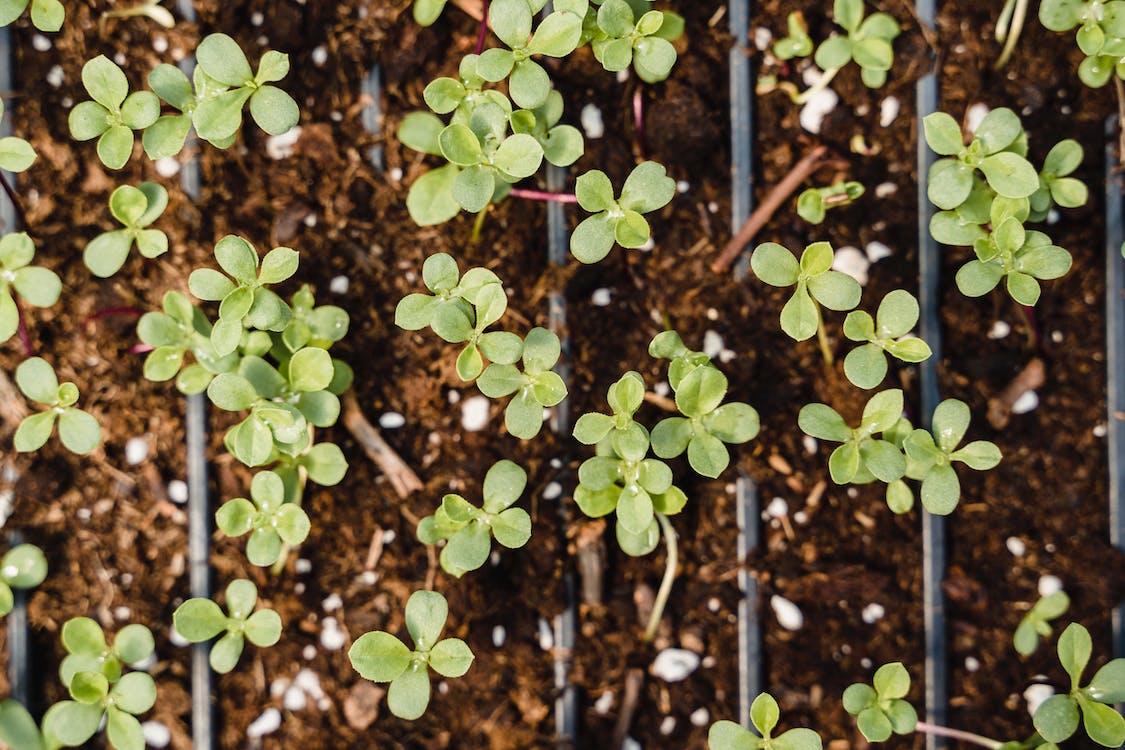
pixel 822 339
pixel 482 35
pixel 21 329
pixel 821 84
pixel 1008 29
pixel 957 734
pixel 11 193
pixel 478 226
pixel 639 117
pixel 670 564
pixel 541 195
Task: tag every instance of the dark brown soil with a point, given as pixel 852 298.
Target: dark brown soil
pixel 114 540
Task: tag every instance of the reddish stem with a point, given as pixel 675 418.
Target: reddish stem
pixel 482 34
pixel 639 117
pixel 1033 326
pixel 14 200
pixel 21 330
pixel 539 195
pixel 111 311
pixel 140 349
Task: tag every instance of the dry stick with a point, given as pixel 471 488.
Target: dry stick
pixel 474 8
pixel 1033 376
pixel 401 476
pixel 634 681
pixel 765 211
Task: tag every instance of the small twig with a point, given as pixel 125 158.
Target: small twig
pixel 765 211
pixel 590 553
pixel 957 734
pixel 375 551
pixel 15 201
pixel 1033 376
pixel 111 311
pixel 541 195
pixel 661 402
pixel 634 681
pixel 482 34
pixel 401 476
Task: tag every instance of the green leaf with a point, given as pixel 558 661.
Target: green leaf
pixel 87 120
pixel 218 118
pixel 835 290
pixel 798 739
pixel 764 713
pixel 278 265
pixel 221 58
pixel 47 15
pixel 124 730
pixel 70 723
pixel 882 411
pixel 857 697
pixel 519 155
pixel 426 613
pixel 1056 719
pixel 379 656
pixel 89 687
pixel 34 431
pixel 16 154
pixel 115 146
pixel 594 191
pixel 653 59
pixel 451 657
pixel 647 188
pixel 557 36
pixel 821 421
pixel 39 286
pixel 1074 649
pixel 707 455
pixel 310 369
pixel 892 681
pixel 866 366
pixel 263 628
pixel 421 131
pixel 17 727
pixel 512 528
pixel 874 725
pixel 726 735
pixel 1102 723
pixel 473 188
pixel 799 317
pixel 943 134
pixel 24 566
pixel 541 350
pixel 199 620
pixel 523 416
pixel 1108 684
pixel 226 652
pixel 79 432
pixel 134 693
pixel 503 485
pixel 1010 175
pixel 833 53
pixel 409 694
pixel 511 21
pixel 638 545
pixel 593 238
pixel 133 644
pixel 950 183
pixel 232 392
pixel 272 67
pixel 140 110
pixel 733 423
pixel 105 82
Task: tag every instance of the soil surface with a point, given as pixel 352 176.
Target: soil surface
pixel 117 545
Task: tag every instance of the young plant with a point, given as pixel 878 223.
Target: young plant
pixel 23 567
pixel 764 715
pixel 512 21
pixel 46 15
pixel 1057 718
pixel 862 458
pixel 101 691
pixel 536 388
pixel 269 517
pixel 797 43
pixel 135 208
pixel 16 154
pixel 382 657
pixel 113 114
pixel 867 42
pixel 1101 35
pixel 813 204
pixel 79 432
pixel 35 285
pixel 199 620
pixel 1055 184
pixel 625 33
pixel 881 710
pixel 998 150
pixel 468 530
pixel 647 188
pixel 866 365
pixel 1036 623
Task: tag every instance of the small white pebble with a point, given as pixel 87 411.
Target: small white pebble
pixel 788 614
pixel 700 717
pixel 546 635
pixel 675 664
pixel 873 612
pixel 40 43
pixel 712 314
pixel 1016 546
pixel 1057 337
pixel 604 703
pixel 299 587
pixel 119 58
pixel 303 566
pixel 267 723
pixel 332 602
pixel 662 389
pixel 178 491
pixel 712 344
pixel 865 663
pixel 499 635
pixel 591 121
pixel 176 639
pixel 389 536
pixel 712 207
pixel 294 699
pixel 1000 329
pixel 319 56
pixel 714 605
pixel 1026 402
pixel 126 579
pixel 308 653
pixel 122 613
pixel 552 491
pixel 146 664
pixel 1099 430
pixel 282 146
pixel 819 105
pixel 331 637
pixel 454 397
pixel 391 420
pixel 709 662
pixel 975 116
pixel 726 356
pixel 876 251
pixel 885 189
pixel 1053 216
pixel 972 664
pixel 667 725
pixel 888 110
pixel 368 577
pixel 55 76
pixel 396 174
pixel 800 518
pixel 307 680
pixel 853 262
pixel 629 743
pixel 83 514
pixel 256 18
pixel 1035 695
pixel 339 285
pixel 777 508
pixel 600 297
pixel 279 686
pixel 167 166
pixel 1050 585
pixel 156 734
pixel 682 186
pixel 136 450
pixel 160 44
pixel 622 75
pixel 474 413
pixel 809 443
pixel 762 38
pixel 649 244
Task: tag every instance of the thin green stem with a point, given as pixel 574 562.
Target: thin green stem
pixel 670 564
pixel 478 225
pixel 822 338
pixel 283 557
pixel 1009 27
pixel 957 734
pixel 821 84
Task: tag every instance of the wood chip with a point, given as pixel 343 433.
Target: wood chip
pixel 361 707
pixel 779 464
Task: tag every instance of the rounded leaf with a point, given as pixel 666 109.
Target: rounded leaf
pixel 451 657
pixel 222 59
pixel 409 694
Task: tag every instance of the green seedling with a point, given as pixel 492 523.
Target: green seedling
pixel 199 620
pixel 18 728
pixel 468 530
pixel 136 208
pixel 79 432
pixel 46 15
pixel 797 43
pixel 244 297
pixel 562 144
pixel 764 715
pixel 1057 718
pixel 867 42
pixel 1036 623
pixel 1101 34
pixel 268 519
pixel 35 285
pixel 862 458
pixel 626 436
pixel 219 117
pixel 817 284
pixel 419 130
pixel 512 21
pixel 23 567
pixel 93 673
pixel 866 365
pixel 681 360
pixel 647 188
pixel 621 37
pixel 537 387
pixel 381 657
pixel 180 328
pixel 426 12
pixel 16 154
pixel 881 710
pixel 113 114
pixel 1055 184
pixel 813 204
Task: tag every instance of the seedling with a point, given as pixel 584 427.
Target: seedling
pixel 269 517
pixel 92 672
pixel 625 435
pixel 866 365
pixel 136 208
pixel 199 620
pixel 1057 718
pixel 997 150
pixel 881 710
pixel 627 33
pixel 868 42
pixel 35 285
pixel 79 432
pixel 382 657
pixel 16 154
pixel 536 388
pixel 113 114
pixel 646 189
pixel 797 43
pixel 46 15
pixel 1101 36
pixel 468 530
pixel 1036 623
pixel 1055 186
pixel 862 458
pixel 813 204
pixel 23 567
pixel 764 715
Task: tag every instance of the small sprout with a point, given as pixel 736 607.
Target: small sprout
pixel 23 567
pixel 1036 623
pixel 813 204
pixel 797 43
pixel 621 39
pixel 1057 718
pixel 1019 256
pixel 764 715
pixel 562 144
pixel 868 42
pixel 1101 35
pixel 92 672
pixel 16 154
pixel 426 12
pixel 862 458
pixel 245 300
pixel 79 432
pixel 219 116
pixel 469 530
pixel 151 9
pixel 556 36
pixel 625 435
pixel 135 208
pixel 866 365
pixel 46 15
pixel 646 189
pixel 816 283
pixel 1055 186
pixel 37 286
pixel 381 657
pixel 269 517
pixel 113 114
pixel 535 388
pixel 199 620
pixel 881 710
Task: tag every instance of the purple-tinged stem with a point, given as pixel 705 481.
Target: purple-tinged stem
pixel 111 311
pixel 482 34
pixel 540 195
pixel 1033 326
pixel 21 330
pixel 639 117
pixel 14 200
pixel 141 348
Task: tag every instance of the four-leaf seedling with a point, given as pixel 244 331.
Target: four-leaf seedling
pixel 113 114
pixel 1036 623
pixel 881 710
pixel 79 431
pixel 36 285
pixel 866 365
pixel 199 620
pixel 1057 718
pixel 136 208
pixel 268 519
pixel 764 715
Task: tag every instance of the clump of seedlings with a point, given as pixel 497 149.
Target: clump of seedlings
pixel 199 620
pixel 1101 34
